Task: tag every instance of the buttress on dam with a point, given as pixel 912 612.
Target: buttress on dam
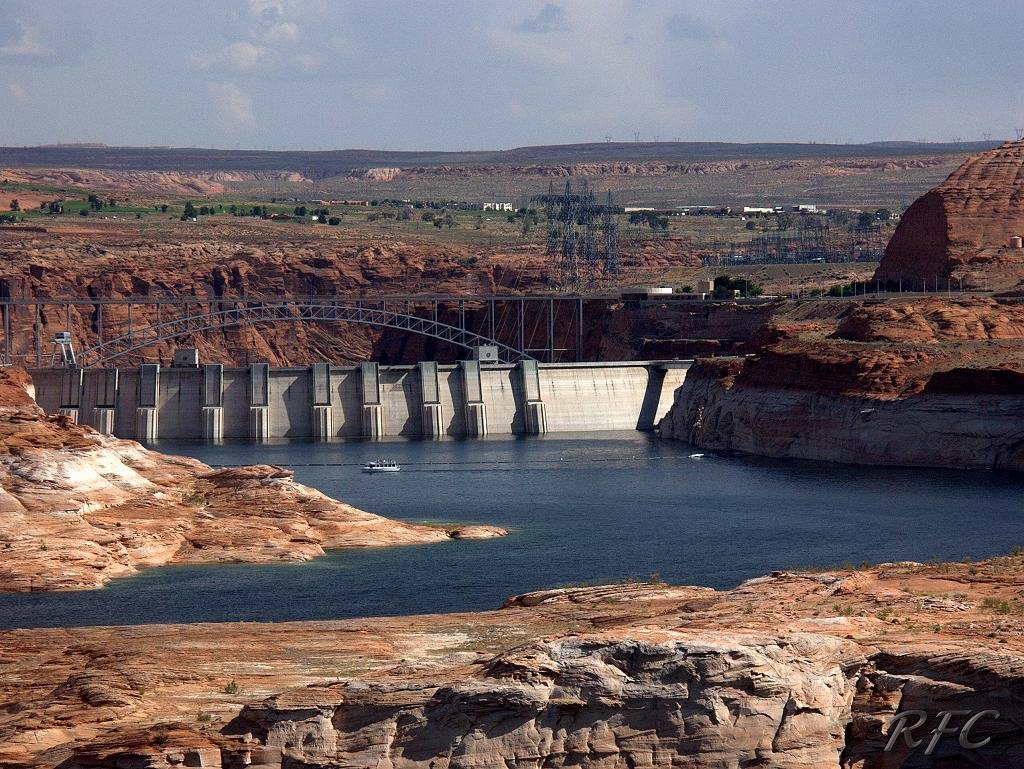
pixel 259 402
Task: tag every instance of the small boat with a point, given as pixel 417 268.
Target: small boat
pixel 382 466
pixel 696 456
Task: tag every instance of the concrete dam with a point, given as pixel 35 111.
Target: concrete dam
pixel 214 402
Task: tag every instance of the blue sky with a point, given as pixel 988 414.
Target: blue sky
pixel 314 74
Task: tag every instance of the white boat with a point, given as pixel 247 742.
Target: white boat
pixel 696 456
pixel 382 466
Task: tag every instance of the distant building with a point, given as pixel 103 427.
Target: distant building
pixel 498 207
pixel 758 210
pixel 806 208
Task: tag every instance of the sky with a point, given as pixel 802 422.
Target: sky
pixel 455 75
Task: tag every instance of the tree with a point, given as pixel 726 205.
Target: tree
pixel 163 208
pixel 725 287
pixel 783 221
pixel 865 219
pixel 15 205
pixel 190 211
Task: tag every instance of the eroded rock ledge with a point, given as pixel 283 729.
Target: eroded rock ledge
pixel 78 509
pixel 795 670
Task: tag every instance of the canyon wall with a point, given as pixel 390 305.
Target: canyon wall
pixel 924 382
pixel 239 258
pixel 716 409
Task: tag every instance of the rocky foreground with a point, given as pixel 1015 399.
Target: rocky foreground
pixel 78 508
pixel 789 670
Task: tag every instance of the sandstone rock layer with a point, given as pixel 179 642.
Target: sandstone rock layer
pixel 961 231
pixel 793 671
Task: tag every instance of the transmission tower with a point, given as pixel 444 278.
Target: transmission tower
pixel 610 226
pixel 581 235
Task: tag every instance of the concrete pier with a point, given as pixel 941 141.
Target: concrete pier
pixel 372 408
pixel 322 401
pixel 322 417
pixel 70 393
pixel 147 417
pixel 100 393
pixel 476 408
pixel 103 419
pixel 536 415
pixel 213 402
pixel 431 413
pixel 259 401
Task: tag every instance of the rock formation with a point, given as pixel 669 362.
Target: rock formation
pixel 930 382
pixel 78 508
pixel 150 182
pixel 794 671
pixel 598 170
pixel 961 231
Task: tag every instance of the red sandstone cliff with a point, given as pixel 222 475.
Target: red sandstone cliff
pixel 230 258
pixel 926 382
pixel 961 230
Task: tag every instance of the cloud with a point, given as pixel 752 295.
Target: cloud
pixel 241 56
pixel 267 11
pixel 550 18
pixel 18 92
pixel 284 32
pixel 232 107
pixel 683 26
pixel 20 44
pixel 276 40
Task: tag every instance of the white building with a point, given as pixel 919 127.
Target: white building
pixel 498 207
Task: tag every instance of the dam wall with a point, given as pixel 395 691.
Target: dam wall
pixel 258 402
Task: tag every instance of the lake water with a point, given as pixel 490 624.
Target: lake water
pixel 580 509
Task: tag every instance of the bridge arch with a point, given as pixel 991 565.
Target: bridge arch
pixel 290 311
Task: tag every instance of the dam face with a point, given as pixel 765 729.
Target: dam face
pixel 258 402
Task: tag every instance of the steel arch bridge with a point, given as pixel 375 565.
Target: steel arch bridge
pixel 292 311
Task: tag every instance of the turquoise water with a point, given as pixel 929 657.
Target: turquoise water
pixel 587 508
